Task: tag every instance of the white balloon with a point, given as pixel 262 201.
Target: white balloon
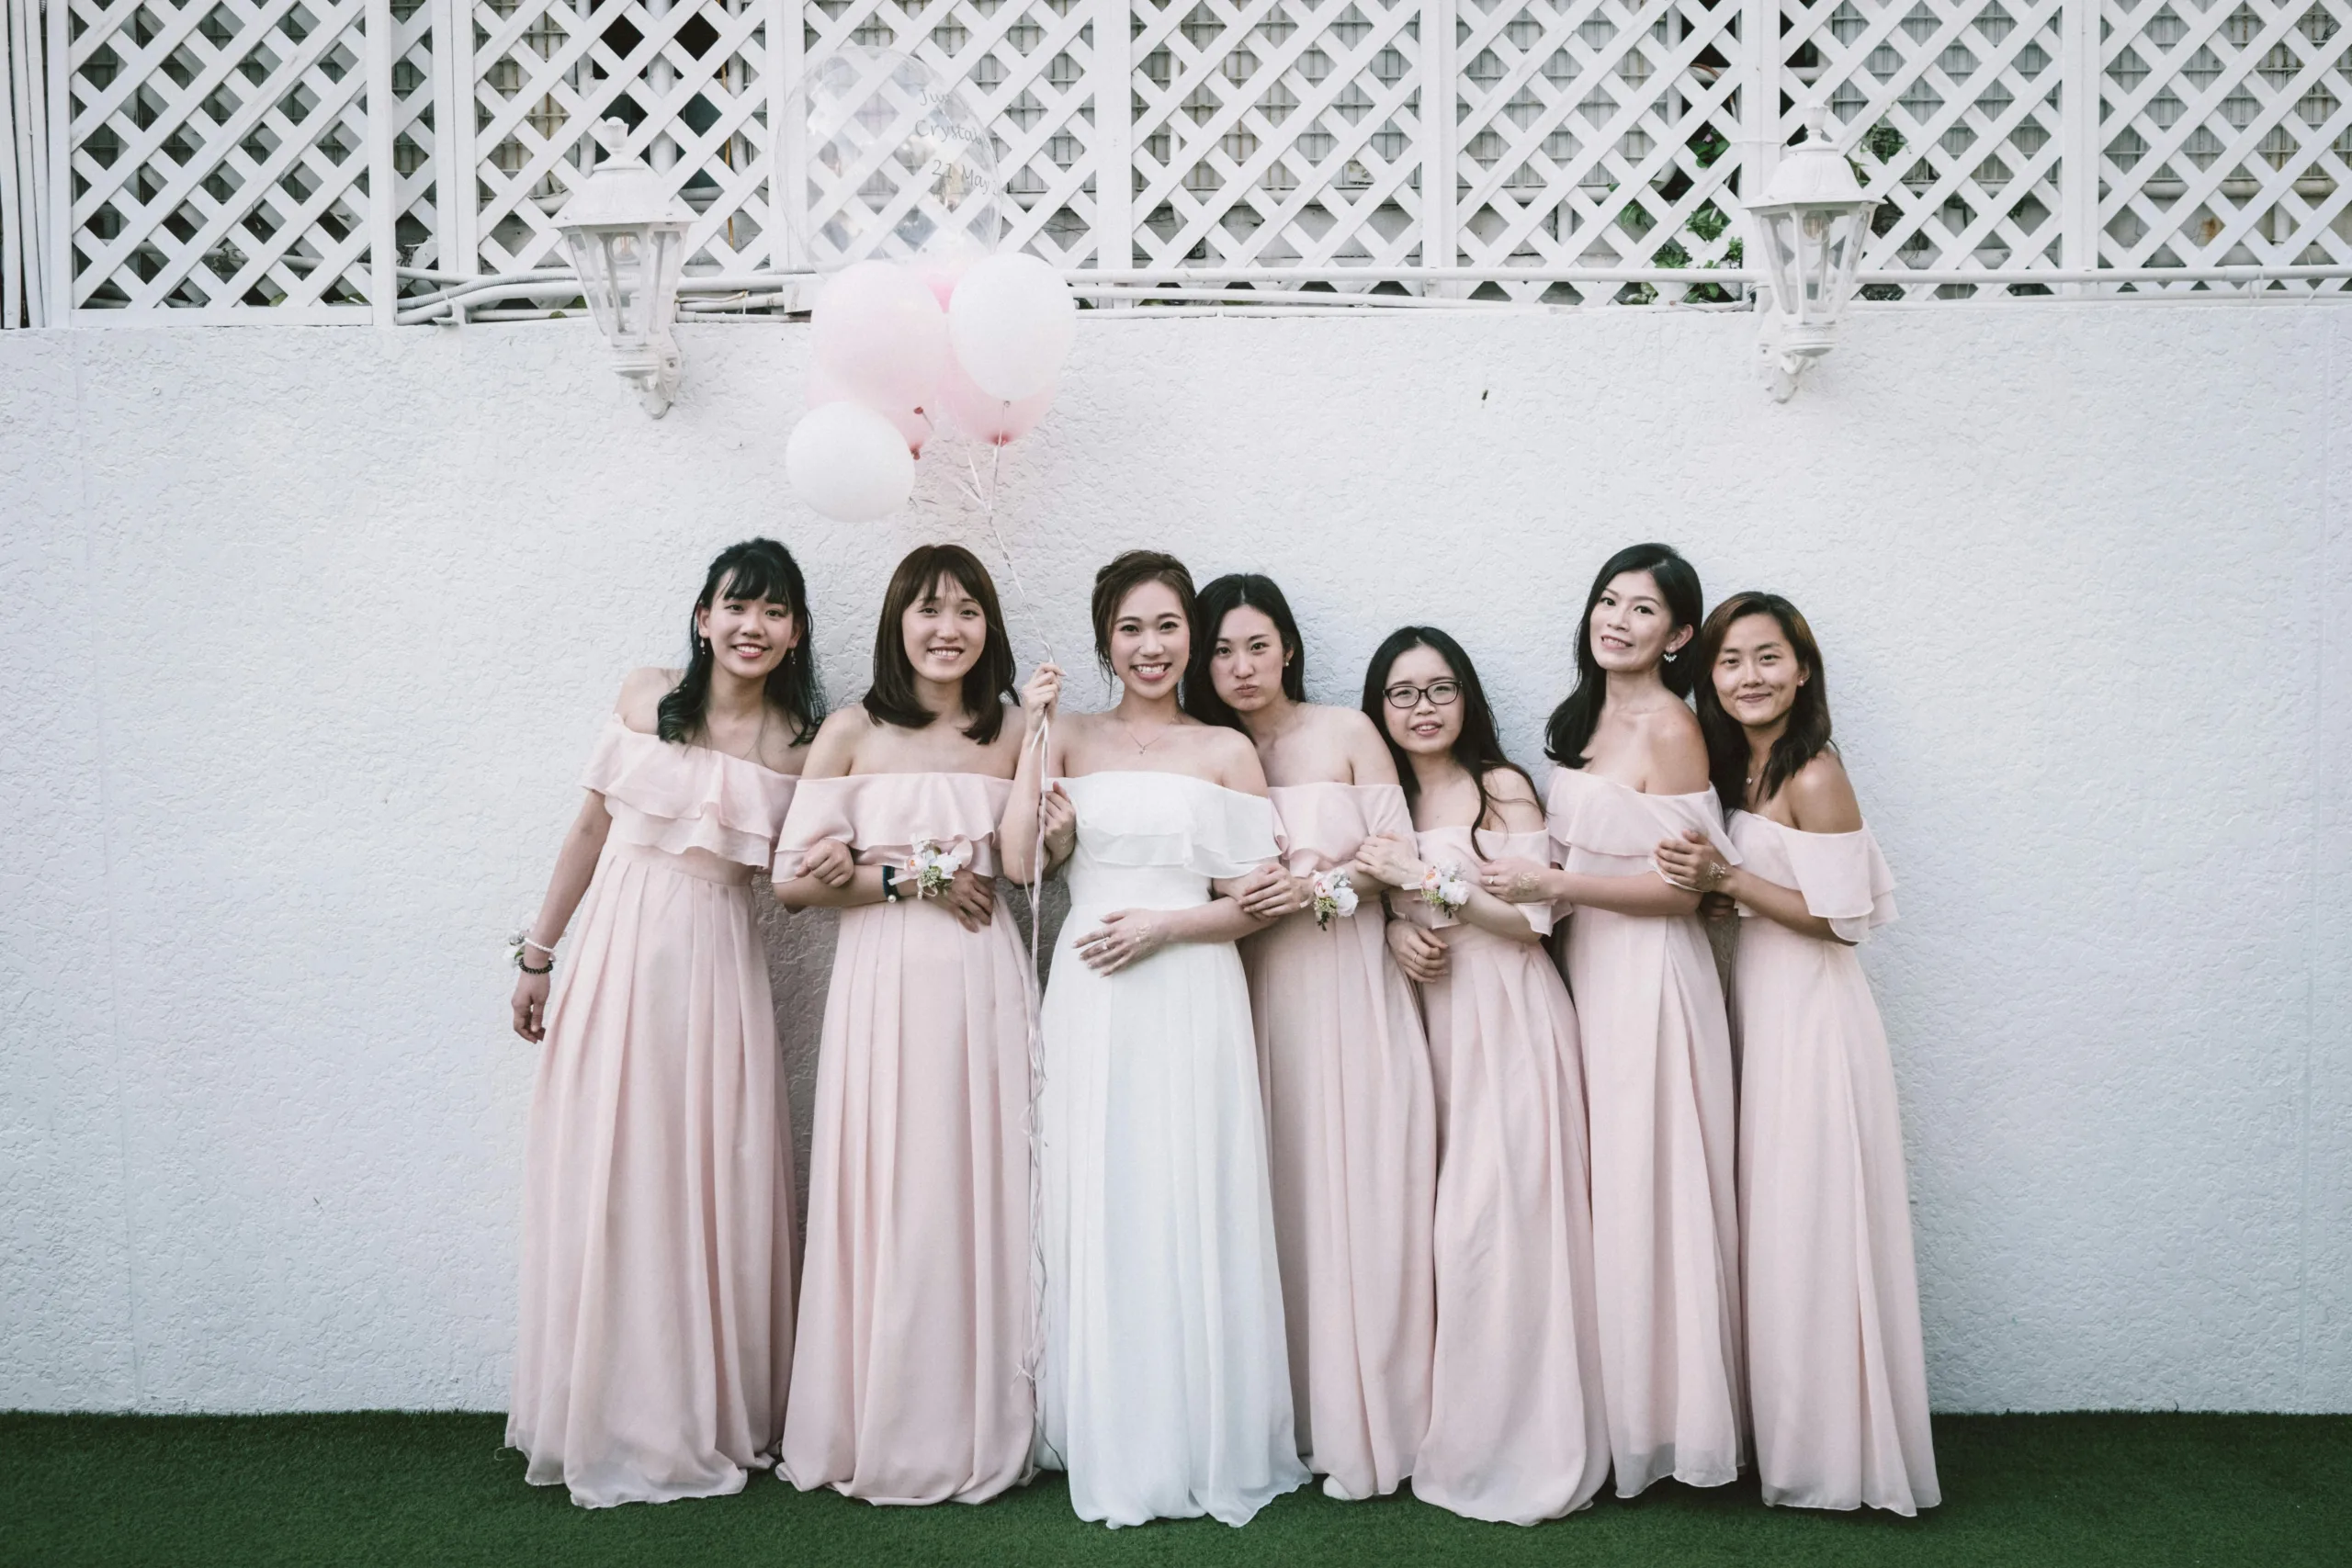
pixel 849 463
pixel 1011 319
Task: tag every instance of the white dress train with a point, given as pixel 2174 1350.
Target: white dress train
pixel 1166 1387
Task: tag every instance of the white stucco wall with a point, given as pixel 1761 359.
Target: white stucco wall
pixel 305 634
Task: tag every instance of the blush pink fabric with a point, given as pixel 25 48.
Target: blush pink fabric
pixel 1658 1087
pixel 914 1302
pixel 1351 1124
pixel 1836 1370
pixel 1517 1431
pixel 656 1324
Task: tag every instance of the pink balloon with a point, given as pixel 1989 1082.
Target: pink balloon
pixel 942 262
pixel 825 387
pixel 983 416
pixel 879 331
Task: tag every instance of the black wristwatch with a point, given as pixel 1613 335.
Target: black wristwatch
pixel 889 884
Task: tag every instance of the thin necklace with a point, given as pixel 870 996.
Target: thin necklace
pixel 1145 745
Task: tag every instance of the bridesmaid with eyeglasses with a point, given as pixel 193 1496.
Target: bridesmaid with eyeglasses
pixel 1838 1377
pixel 1516 1432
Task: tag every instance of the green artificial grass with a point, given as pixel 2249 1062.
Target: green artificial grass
pixel 388 1490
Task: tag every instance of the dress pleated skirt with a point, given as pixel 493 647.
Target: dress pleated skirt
pixel 1839 1378
pixel 909 1385
pixel 656 1291
pixel 1352 1124
pixel 1666 1238
pixel 1517 1431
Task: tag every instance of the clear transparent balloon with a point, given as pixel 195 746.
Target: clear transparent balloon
pixel 897 163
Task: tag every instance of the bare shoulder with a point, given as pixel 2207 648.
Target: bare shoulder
pixel 1359 741
pixel 835 752
pixel 1678 750
pixel 1822 797
pixel 1010 732
pixel 1234 756
pixel 639 703
pixel 1512 800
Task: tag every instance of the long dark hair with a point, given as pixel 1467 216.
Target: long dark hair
pixel 1807 735
pixel 1477 749
pixel 1238 591
pixel 756 568
pixel 1126 574
pixel 987 684
pixel 1573 722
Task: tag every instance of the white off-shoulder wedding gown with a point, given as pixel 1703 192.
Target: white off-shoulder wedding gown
pixel 1165 1386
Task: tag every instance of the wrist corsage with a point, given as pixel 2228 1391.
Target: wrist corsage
pixel 1335 897
pixel 1445 888
pixel 934 869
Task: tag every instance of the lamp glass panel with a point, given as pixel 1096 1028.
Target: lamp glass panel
pixel 592 263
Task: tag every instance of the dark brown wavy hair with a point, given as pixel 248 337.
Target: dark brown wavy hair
pixel 1807 735
pixel 987 684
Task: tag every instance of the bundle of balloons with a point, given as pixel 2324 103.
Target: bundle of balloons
pixel 957 343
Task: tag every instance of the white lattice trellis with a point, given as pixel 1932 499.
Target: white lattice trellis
pixel 327 157
pixel 2228 133
pixel 1596 133
pixel 219 154
pixel 1269 132
pixel 1953 112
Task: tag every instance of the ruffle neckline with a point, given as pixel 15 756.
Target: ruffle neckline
pixel 1844 877
pixel 1590 817
pixel 677 798
pixel 881 817
pixel 1202 827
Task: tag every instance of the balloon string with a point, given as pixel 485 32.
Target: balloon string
pixel 1033 1359
pixel 1032 1356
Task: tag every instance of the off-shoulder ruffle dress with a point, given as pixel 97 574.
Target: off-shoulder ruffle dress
pixel 1166 1391
pixel 1838 1377
pixel 656 1332
pixel 907 1386
pixel 1658 1088
pixel 1351 1121
pixel 1517 1432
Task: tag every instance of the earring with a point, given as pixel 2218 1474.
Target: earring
pixel 1670 653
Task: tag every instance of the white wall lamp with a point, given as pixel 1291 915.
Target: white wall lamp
pixel 627 234
pixel 1811 226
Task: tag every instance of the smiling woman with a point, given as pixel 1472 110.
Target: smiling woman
pixel 657 1209
pixel 914 1309
pixel 1166 1389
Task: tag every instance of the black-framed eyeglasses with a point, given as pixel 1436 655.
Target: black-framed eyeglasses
pixel 1441 693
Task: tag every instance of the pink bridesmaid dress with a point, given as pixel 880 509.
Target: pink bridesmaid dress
pixel 1517 1432
pixel 1837 1376
pixel 656 1332
pixel 914 1300
pixel 1658 1085
pixel 1352 1133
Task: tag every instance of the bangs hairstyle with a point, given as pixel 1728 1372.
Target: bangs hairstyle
pixel 987 684
pixel 756 568
pixel 1123 577
pixel 1477 749
pixel 1573 722
pixel 1807 735
pixel 1239 591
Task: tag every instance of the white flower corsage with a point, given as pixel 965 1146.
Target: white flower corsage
pixel 1445 888
pixel 934 869
pixel 1335 896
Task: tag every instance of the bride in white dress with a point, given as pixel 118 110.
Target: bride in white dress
pixel 1165 1391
